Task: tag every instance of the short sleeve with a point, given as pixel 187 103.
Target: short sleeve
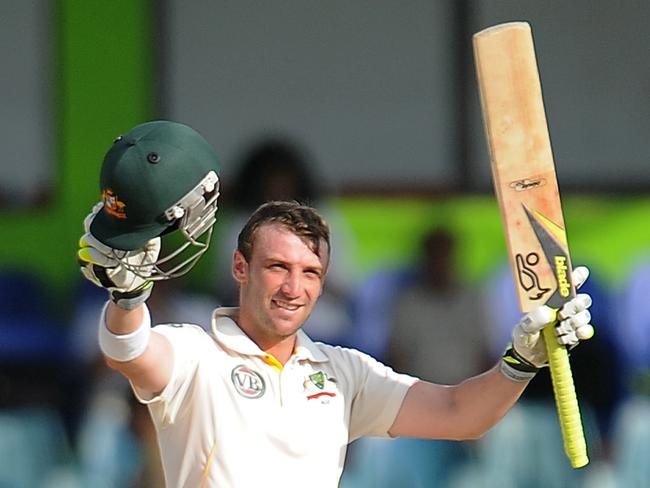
pixel 378 392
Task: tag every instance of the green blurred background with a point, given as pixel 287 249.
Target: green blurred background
pixel 104 82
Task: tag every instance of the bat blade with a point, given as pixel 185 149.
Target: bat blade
pixel 526 187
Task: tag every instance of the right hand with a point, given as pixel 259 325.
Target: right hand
pixel 572 324
pixel 109 268
pixel 527 352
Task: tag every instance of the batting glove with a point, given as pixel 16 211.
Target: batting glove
pixel 103 266
pixel 527 353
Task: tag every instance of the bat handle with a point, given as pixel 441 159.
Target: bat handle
pixel 566 401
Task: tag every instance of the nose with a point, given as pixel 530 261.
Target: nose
pixel 292 285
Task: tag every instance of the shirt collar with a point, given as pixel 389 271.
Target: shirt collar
pixel 228 334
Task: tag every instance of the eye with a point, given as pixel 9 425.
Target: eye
pixel 313 273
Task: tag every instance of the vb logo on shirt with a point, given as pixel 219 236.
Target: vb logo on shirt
pixel 248 383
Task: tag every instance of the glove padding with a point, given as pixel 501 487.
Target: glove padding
pixel 572 325
pixel 100 265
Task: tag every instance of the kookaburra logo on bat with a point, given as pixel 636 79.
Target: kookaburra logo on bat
pixel 528 278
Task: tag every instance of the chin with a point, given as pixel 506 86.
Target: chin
pixel 288 327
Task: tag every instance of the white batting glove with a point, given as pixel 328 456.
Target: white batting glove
pixel 105 266
pixel 528 353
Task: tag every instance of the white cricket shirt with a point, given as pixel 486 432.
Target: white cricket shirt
pixel 233 417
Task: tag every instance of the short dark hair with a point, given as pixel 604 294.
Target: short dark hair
pixel 302 220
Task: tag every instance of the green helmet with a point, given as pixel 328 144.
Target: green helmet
pixel 159 177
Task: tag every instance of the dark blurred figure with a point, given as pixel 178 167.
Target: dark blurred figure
pixel 453 345
pixel 274 169
pixel 436 331
pixel 278 168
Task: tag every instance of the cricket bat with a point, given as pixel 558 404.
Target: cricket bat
pixel 526 187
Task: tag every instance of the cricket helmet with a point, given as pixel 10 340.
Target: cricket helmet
pixel 159 177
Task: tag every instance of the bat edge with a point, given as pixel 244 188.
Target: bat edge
pixel 521 24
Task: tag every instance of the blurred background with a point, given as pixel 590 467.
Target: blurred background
pixel 368 110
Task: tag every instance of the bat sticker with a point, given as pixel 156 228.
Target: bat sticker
pixel 528 279
pixel 527 184
pixel 548 234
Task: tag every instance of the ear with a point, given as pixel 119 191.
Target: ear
pixel 239 268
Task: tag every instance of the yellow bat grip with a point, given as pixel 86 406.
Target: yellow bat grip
pixel 566 401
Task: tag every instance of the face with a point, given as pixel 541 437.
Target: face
pixel 279 286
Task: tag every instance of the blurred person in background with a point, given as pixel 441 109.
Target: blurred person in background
pixel 432 288
pixel 445 350
pixel 179 301
pixel 433 353
pixel 278 168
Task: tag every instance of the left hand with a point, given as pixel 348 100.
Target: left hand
pixel 125 274
pixel 572 325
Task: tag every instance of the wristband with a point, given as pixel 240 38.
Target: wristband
pixel 125 347
pixel 514 374
pixel 129 300
pixel 516 368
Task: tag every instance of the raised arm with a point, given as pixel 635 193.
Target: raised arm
pixel 158 178
pixel 459 412
pixel 125 335
pixel 468 410
pixel 151 370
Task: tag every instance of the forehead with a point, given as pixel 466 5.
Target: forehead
pixel 275 241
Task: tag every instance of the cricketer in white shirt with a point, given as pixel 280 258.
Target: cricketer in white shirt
pixel 232 416
pixel 260 403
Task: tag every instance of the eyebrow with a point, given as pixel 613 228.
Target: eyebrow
pixel 309 267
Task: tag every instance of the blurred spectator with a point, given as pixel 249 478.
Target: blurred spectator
pixel 174 302
pixel 277 168
pixel 452 346
pixel 435 330
pixel 372 306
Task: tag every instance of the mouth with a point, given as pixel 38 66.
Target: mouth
pixel 285 306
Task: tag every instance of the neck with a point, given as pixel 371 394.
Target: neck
pixel 281 348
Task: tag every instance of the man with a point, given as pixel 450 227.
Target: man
pixel 257 402
pixel 433 290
